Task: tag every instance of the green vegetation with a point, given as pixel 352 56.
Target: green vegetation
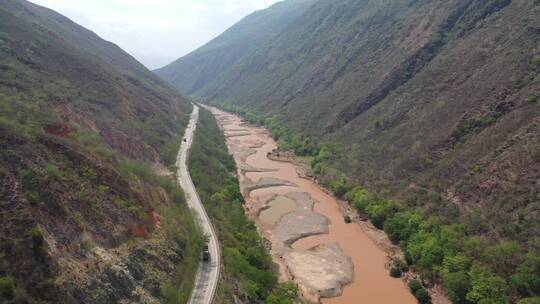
pixel 7 288
pixel 34 198
pixel 286 293
pixel 398 268
pixel 138 170
pixel 527 276
pixel 177 222
pixel 52 172
pixel 248 268
pixel 422 296
pixel 419 292
pixel 153 132
pixel 37 237
pixel 300 144
pixel 87 245
pixel 471 270
pixel 415 285
pixel 486 287
pixel 38 244
pixel 169 150
pixel 473 126
pixel 395 272
pixel 180 226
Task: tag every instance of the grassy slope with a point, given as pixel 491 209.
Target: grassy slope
pixel 79 121
pixel 249 273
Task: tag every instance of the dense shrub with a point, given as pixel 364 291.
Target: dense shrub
pixel 177 195
pixel 286 293
pixel 527 277
pixel 503 258
pixel 415 285
pixel 340 186
pixel 7 287
pixel 381 210
pixel 33 198
pixel 360 198
pixel 457 285
pixel 422 296
pixel 402 226
pixel 53 172
pixel 445 253
pixel 400 264
pixel 486 287
pixel 395 272
pixel 37 237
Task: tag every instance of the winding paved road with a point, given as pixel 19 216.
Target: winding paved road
pixel 208 275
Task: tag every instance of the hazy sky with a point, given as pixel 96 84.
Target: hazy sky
pixel 156 31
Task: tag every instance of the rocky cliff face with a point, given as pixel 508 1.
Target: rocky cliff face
pixel 434 95
pixel 84 218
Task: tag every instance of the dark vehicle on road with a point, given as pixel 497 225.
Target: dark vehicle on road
pixel 206 254
pixel 184 140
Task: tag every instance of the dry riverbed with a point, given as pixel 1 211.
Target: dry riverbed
pixel 331 261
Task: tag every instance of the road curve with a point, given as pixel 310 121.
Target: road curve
pixel 206 282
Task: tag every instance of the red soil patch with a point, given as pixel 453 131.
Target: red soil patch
pixel 145 228
pixel 156 219
pixel 62 130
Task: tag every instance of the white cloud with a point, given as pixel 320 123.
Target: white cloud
pixel 156 31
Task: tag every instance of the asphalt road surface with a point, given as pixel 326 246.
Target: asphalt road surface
pixel 207 278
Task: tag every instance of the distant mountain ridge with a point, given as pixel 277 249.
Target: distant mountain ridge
pixel 211 60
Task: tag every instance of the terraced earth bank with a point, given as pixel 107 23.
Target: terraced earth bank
pixel 331 261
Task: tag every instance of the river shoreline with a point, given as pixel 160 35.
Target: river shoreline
pixel 330 260
pixel 379 237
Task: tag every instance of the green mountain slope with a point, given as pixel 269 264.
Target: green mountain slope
pixel 440 95
pixel 213 59
pixel 433 106
pixel 82 124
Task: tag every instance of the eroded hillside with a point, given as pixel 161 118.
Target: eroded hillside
pixel 85 218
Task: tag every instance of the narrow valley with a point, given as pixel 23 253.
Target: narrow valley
pixel 270 152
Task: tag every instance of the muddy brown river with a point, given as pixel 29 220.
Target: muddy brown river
pixel 331 261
